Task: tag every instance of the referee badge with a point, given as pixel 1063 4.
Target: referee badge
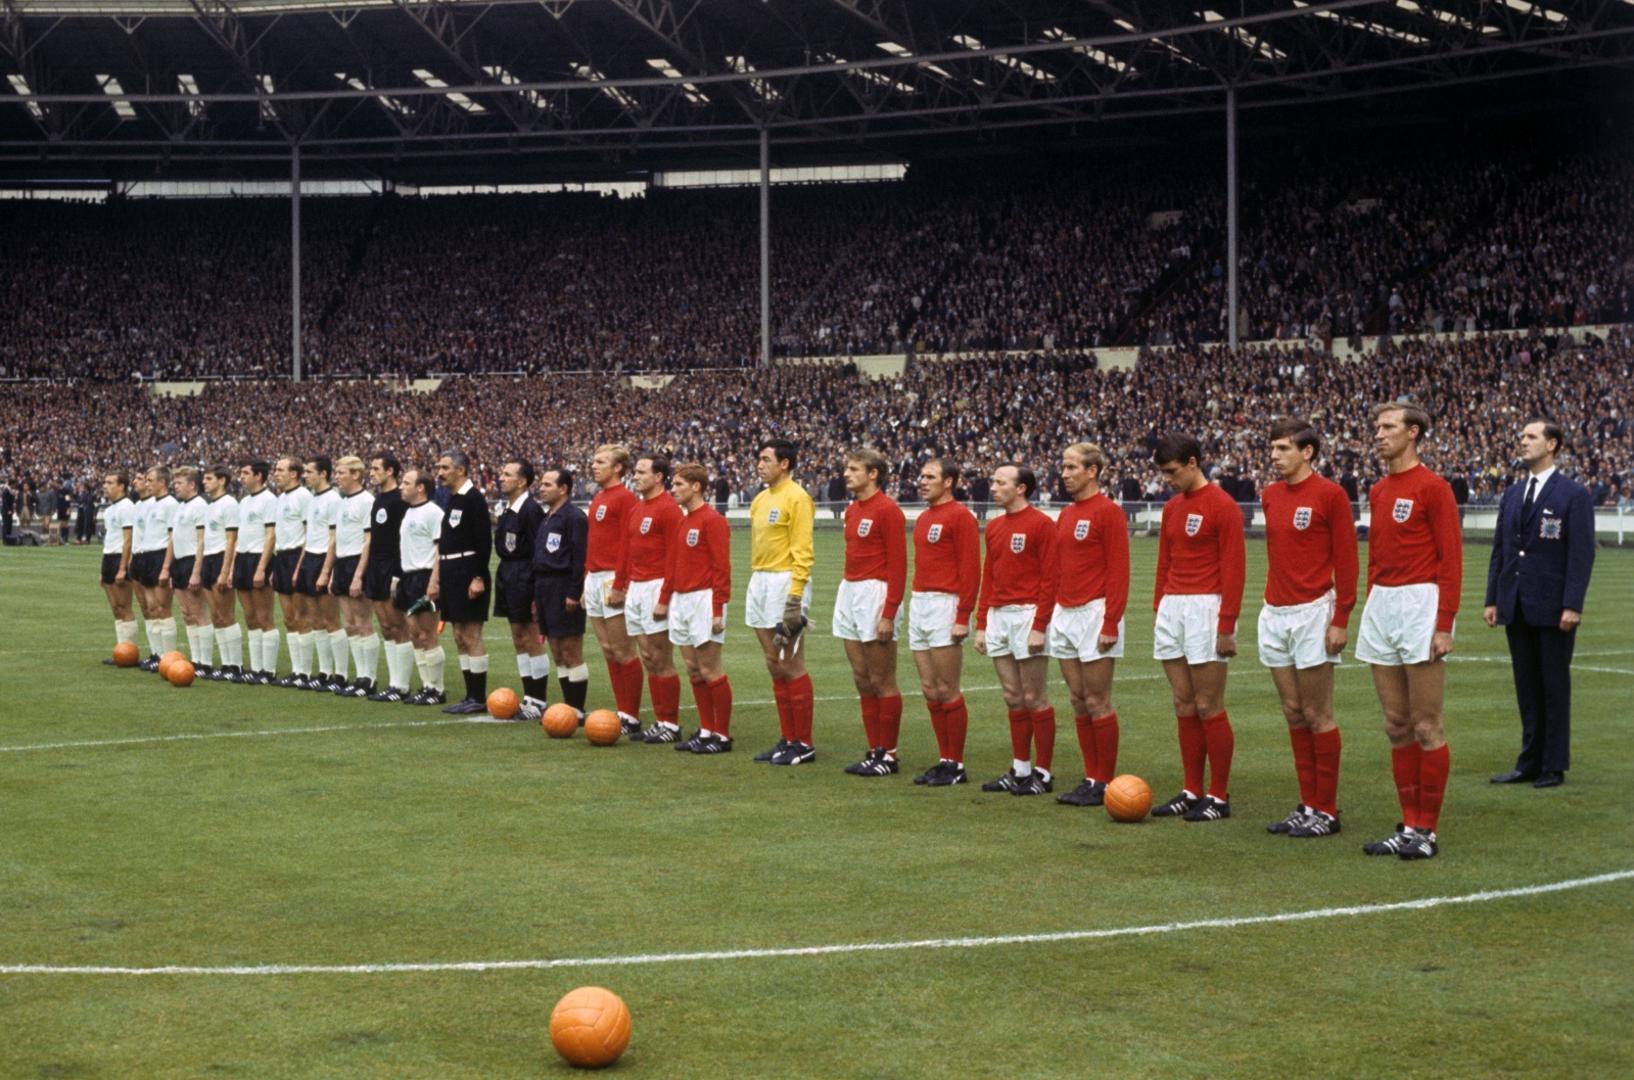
pixel 1302 518
pixel 1194 524
pixel 1403 510
pixel 1080 531
pixel 692 537
pixel 646 525
pixel 380 516
pixel 933 534
pixel 454 517
pixel 553 543
pixel 510 541
pixel 864 527
pixel 1018 543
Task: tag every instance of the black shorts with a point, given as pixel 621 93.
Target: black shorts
pixel 144 568
pixel 181 572
pixel 410 587
pixel 550 596
pixel 454 598
pixel 341 575
pixel 306 582
pixel 244 564
pixel 283 570
pixel 377 577
pixel 513 591
pixel 110 567
pixel 211 572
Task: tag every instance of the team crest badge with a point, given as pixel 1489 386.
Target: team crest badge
pixel 510 541
pixel 380 516
pixel 1080 531
pixel 1302 518
pixel 933 534
pixel 772 515
pixel 1550 529
pixel 1194 524
pixel 864 527
pixel 1403 510
pixel 646 526
pixel 1018 543
pixel 601 512
pixel 454 517
pixel 692 537
pixel 553 543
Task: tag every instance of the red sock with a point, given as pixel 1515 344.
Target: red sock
pixel 1044 737
pixel 706 704
pixel 1086 745
pixel 628 688
pixel 1021 734
pixel 1193 752
pixel 801 705
pixel 957 718
pixel 1325 744
pixel 1433 766
pixel 938 723
pixel 720 707
pixel 1305 765
pixel 890 722
pixel 1404 766
pixel 1106 747
pixel 870 720
pixel 615 679
pixel 666 697
pixel 1221 742
pixel 785 725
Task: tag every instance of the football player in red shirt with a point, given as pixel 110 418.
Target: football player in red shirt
pixel 1310 589
pixel 1086 630
pixel 1018 595
pixel 1415 571
pixel 1200 570
pixel 604 550
pixel 637 586
pixel 947 572
pixel 868 609
pixel 697 587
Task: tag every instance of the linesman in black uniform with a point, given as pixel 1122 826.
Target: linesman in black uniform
pixel 381 574
pixel 558 583
pixel 462 577
pixel 513 592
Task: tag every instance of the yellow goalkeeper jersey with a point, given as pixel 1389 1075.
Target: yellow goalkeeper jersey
pixel 780 533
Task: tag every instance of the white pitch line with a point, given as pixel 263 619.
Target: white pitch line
pixel 643 959
pixel 1575 665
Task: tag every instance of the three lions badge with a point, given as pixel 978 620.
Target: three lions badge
pixel 1402 511
pixel 1080 531
pixel 1018 543
pixel 1302 518
pixel 692 537
pixel 1194 524
pixel 933 534
pixel 864 527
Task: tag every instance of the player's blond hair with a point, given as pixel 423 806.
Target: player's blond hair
pixel 351 463
pixel 693 473
pixel 1089 455
pixel 618 454
pixel 871 460
pixel 188 473
pixel 1411 416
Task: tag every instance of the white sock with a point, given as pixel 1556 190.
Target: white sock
pixel 300 653
pixel 207 644
pixel 125 631
pixel 230 643
pixel 253 637
pixel 270 649
pixel 167 634
pixel 430 662
pixel 541 666
pixel 465 662
pixel 371 657
pixel 1022 768
pixel 477 664
pixel 326 659
pixel 156 638
pixel 399 664
pixel 337 650
pixel 193 645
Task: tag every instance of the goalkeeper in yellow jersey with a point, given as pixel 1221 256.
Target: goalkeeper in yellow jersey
pixel 779 591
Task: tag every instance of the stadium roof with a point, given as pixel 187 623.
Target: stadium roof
pixel 114 88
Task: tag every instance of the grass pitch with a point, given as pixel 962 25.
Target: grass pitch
pixel 389 837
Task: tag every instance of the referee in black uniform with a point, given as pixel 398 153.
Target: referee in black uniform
pixel 513 592
pixel 558 582
pixel 461 577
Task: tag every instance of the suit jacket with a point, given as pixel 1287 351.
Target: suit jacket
pixel 1540 565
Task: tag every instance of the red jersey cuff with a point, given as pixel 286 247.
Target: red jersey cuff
pixel 889 610
pixel 1443 621
pixel 1227 624
pixel 1341 619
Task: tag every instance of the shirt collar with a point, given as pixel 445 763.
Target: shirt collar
pixel 464 488
pixel 516 503
pixel 1543 477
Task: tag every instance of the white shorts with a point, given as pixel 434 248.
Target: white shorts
pixel 597 584
pixel 931 616
pixel 1188 626
pixel 1008 629
pixel 1296 636
pixel 1397 624
pixel 768 592
pixel 857 608
pixel 1075 633
pixel 639 600
pixel 691 614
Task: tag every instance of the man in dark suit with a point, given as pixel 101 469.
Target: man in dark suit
pixel 1536 582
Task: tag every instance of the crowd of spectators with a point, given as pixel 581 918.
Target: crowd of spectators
pixel 981 411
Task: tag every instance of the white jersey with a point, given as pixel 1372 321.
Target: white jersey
pixel 119 516
pixel 255 513
pixel 184 527
pixel 220 514
pixel 289 527
pixel 351 522
pixel 320 518
pixel 154 531
pixel 417 537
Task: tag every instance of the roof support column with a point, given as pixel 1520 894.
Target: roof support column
pixel 1231 215
pixel 765 247
pixel 295 262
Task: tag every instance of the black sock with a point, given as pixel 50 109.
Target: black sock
pixel 535 687
pixel 574 693
pixel 476 685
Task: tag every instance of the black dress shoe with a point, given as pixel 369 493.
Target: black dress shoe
pixel 1514 777
pixel 1549 779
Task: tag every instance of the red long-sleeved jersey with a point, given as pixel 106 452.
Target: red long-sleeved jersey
pixel 700 557
pixel 604 545
pixel 1310 545
pixel 947 555
pixel 876 547
pixel 1020 565
pixel 1414 538
pixel 1092 549
pixel 647 529
pixel 1200 551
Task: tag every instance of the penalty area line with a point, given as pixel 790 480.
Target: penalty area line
pixel 645 959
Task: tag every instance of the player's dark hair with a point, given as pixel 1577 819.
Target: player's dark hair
pixel 389 462
pixel 564 477
pixel 323 465
pixel 1551 430
pixel 659 464
pixel 782 450
pixel 1301 432
pixel 949 469
pixel 163 473
pixel 120 478
pixel 222 472
pixel 1026 479
pixel 1178 448
pixel 1411 415
pixel 523 467
pixel 693 473
pixel 458 459
pixel 260 468
pixel 872 461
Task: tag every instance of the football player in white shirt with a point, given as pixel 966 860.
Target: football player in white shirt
pixel 152 543
pixel 118 529
pixel 352 536
pixel 216 572
pixel 252 570
pixel 317 566
pixel 183 569
pixel 289 540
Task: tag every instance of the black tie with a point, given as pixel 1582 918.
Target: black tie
pixel 1526 504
